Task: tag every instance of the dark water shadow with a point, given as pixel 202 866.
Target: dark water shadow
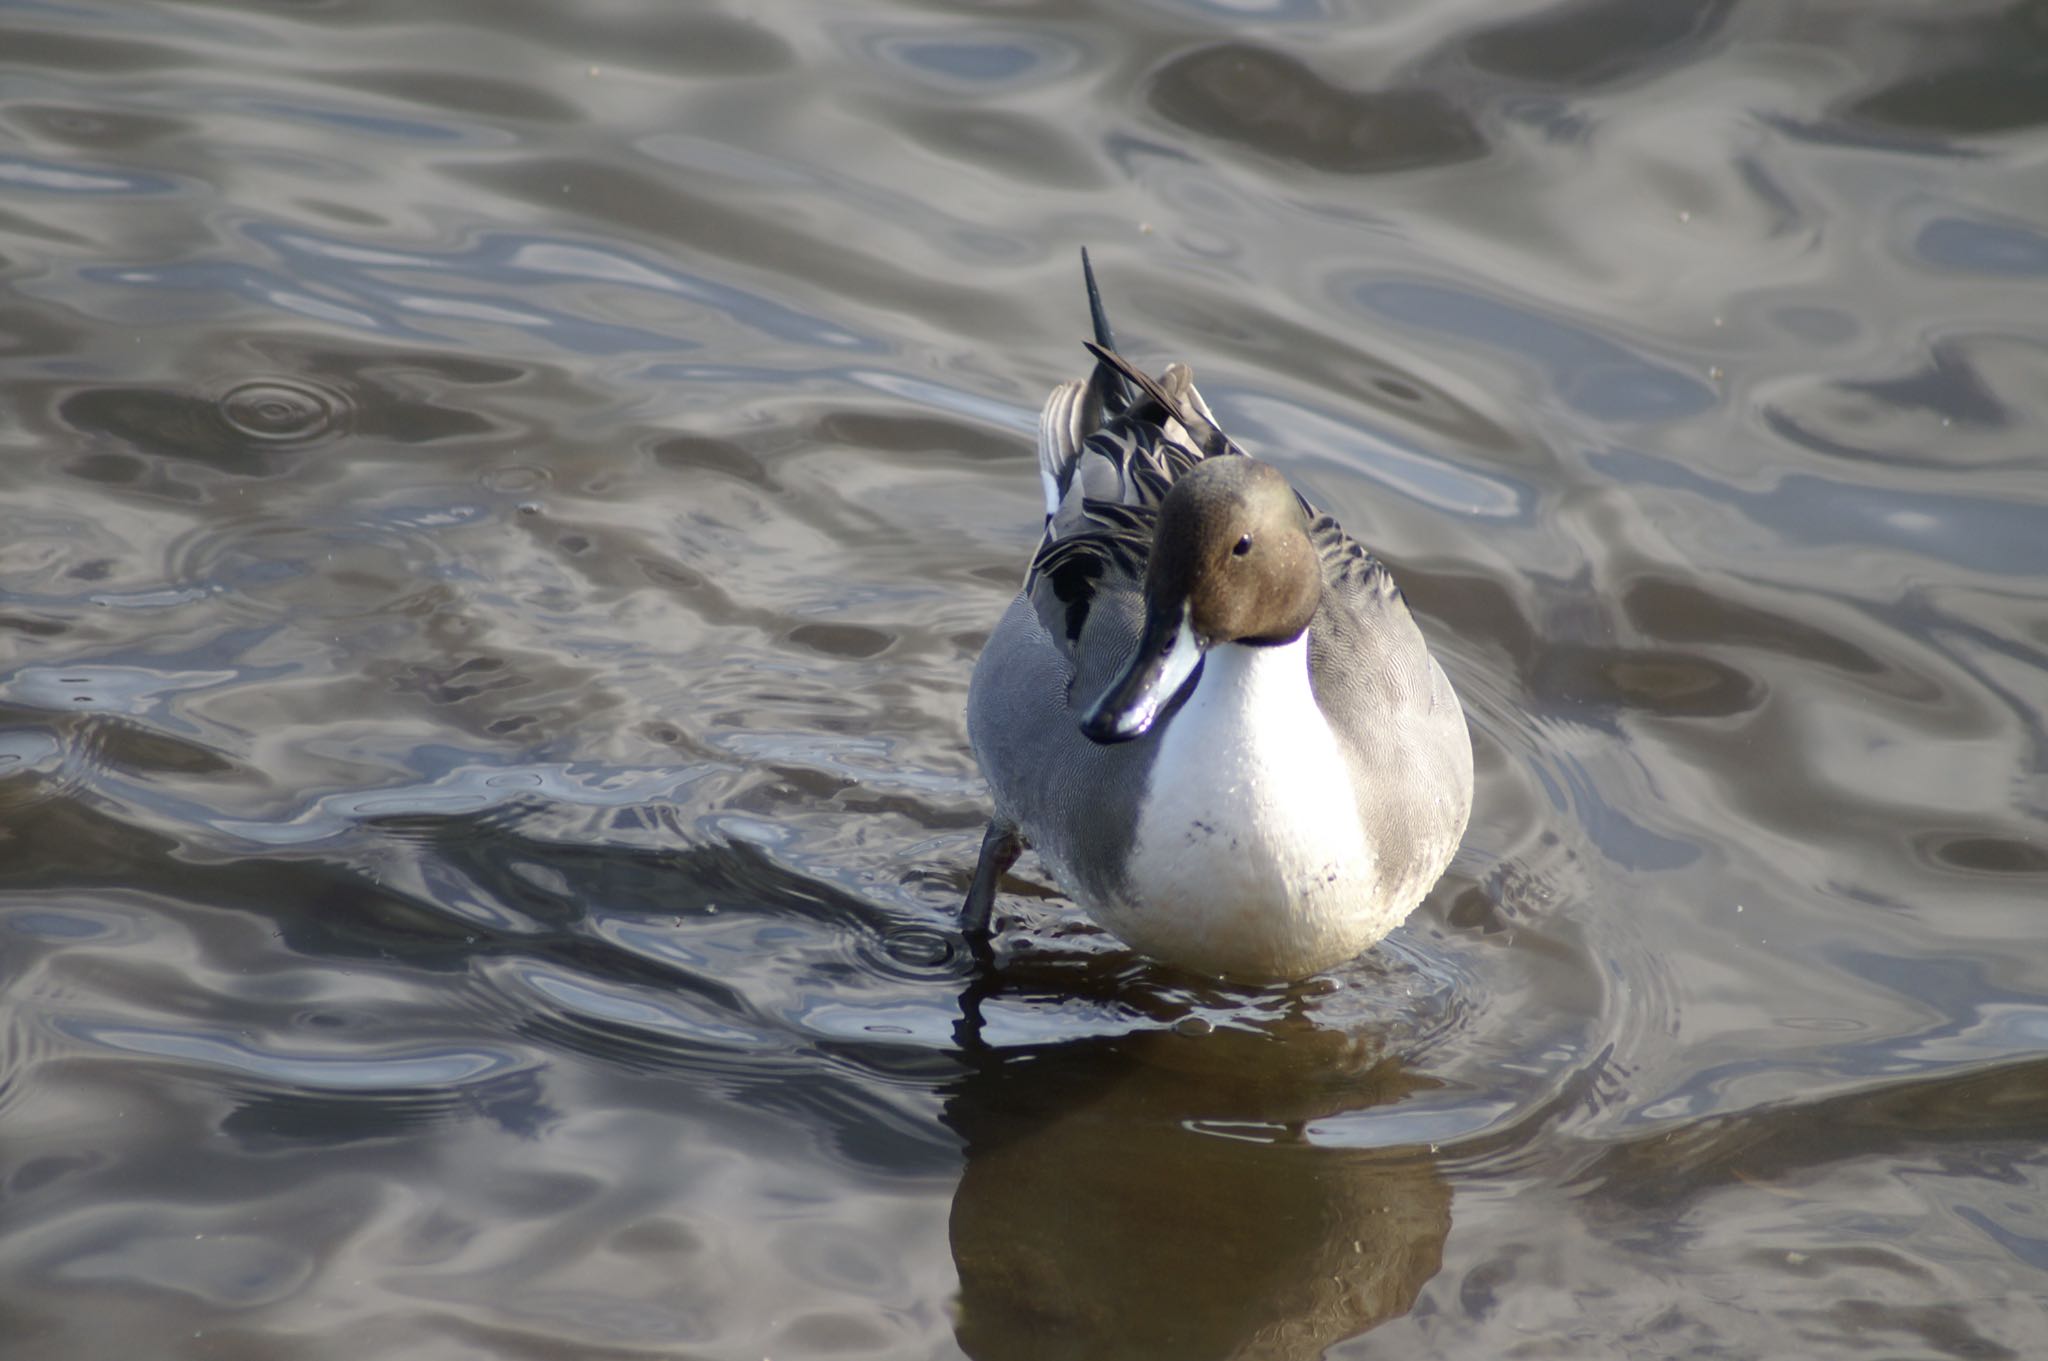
pixel 1160 1195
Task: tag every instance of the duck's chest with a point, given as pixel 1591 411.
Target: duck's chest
pixel 1248 847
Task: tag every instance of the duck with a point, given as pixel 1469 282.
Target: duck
pixel 1208 710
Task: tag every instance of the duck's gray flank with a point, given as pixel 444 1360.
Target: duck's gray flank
pixel 1208 708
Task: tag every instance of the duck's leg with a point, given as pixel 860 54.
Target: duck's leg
pixel 1000 847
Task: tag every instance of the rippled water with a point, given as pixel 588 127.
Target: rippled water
pixel 499 505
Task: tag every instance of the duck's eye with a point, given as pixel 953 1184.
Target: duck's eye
pixel 1242 546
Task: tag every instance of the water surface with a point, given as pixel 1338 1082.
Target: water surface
pixel 499 505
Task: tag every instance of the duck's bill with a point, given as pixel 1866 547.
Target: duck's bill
pixel 1167 655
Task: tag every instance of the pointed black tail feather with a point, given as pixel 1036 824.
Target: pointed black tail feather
pixel 1095 312
pixel 1116 396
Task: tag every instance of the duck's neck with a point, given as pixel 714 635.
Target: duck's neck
pixel 1260 693
pixel 1252 726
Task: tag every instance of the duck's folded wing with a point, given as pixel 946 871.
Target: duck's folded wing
pixel 1103 558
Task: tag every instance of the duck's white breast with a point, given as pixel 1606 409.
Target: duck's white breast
pixel 1249 857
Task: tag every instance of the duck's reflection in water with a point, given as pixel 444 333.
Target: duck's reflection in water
pixel 1160 1195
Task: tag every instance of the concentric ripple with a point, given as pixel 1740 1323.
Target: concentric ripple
pixel 285 412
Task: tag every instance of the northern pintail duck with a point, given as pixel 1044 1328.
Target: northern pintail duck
pixel 1208 709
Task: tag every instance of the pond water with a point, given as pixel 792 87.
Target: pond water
pixel 499 504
